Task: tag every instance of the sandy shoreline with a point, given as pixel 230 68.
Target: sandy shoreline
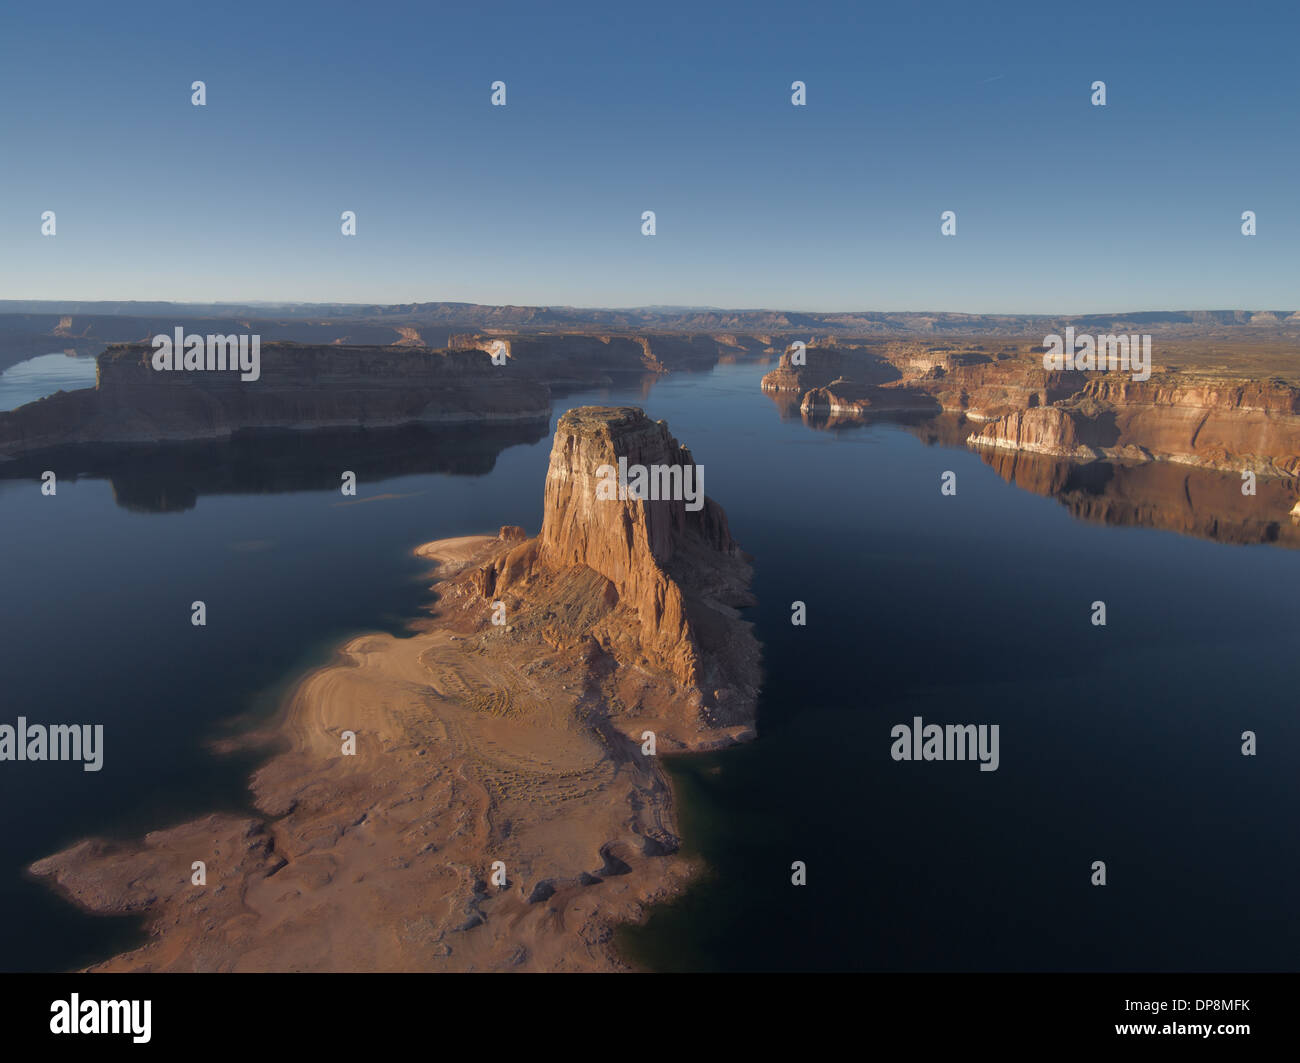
pixel 473 744
pixel 483 793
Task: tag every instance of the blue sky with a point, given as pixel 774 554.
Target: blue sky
pixel 384 109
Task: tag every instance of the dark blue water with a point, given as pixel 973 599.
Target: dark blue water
pixel 37 377
pixel 1119 743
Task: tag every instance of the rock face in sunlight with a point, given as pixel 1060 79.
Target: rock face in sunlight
pixel 1212 424
pixel 1215 422
pixel 669 575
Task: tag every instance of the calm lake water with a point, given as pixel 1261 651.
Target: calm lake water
pixel 1118 743
pixel 37 377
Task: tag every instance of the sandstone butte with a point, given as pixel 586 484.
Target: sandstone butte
pixel 1205 421
pixel 475 743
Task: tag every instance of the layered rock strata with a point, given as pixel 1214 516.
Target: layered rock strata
pixel 670 577
pixel 1243 425
pixel 1210 422
pixel 566 359
pixel 299 387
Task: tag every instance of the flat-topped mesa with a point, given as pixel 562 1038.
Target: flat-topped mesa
pixel 851 400
pixel 568 359
pixel 819 365
pixel 1088 414
pixel 291 385
pixel 1220 424
pixel 670 575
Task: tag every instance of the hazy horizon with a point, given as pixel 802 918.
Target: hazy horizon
pixel 672 307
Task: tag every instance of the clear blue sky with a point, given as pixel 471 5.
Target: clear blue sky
pixel 384 109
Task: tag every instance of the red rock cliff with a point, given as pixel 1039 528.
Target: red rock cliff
pixel 670 577
pixel 1211 423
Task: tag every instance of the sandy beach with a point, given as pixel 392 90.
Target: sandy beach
pixel 470 748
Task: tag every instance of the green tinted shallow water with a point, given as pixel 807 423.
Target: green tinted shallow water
pixel 1117 743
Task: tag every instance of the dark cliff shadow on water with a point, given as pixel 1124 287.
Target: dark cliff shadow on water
pixel 171 477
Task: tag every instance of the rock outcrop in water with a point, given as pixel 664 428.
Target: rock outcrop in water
pixel 478 795
pixel 669 575
pixel 980 384
pixel 849 400
pixel 823 363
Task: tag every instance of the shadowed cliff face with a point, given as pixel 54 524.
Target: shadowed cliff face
pixel 581 359
pixel 299 387
pixel 315 386
pixel 668 577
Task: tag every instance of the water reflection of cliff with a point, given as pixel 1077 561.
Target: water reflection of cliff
pixel 643 382
pixel 1178 498
pixel 171 477
pixel 1194 501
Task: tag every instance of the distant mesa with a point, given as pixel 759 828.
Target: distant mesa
pixel 301 387
pixel 1003 399
pixel 478 378
pixel 565 359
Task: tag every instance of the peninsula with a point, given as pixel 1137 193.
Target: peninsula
pixel 484 794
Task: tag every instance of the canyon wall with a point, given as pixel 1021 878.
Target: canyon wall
pixel 1209 421
pixel 978 383
pixel 572 359
pixel 300 387
pixel 338 385
pixel 1230 425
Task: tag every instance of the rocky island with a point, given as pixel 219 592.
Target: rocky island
pixel 484 794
